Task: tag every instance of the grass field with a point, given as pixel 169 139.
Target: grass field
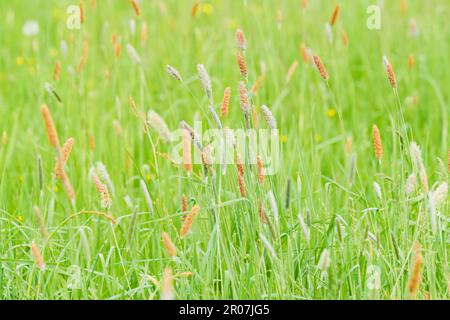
pixel 358 207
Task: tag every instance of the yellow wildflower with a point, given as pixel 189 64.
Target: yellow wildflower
pixel 208 9
pixel 331 113
pixel 20 60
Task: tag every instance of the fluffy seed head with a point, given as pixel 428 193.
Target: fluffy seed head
pixel 241 185
pixel 377 189
pixel 133 54
pixel 168 245
pixel 324 261
pixel 157 123
pixel 173 73
pixel 440 194
pixel 411 183
pixel 206 82
pixel 38 259
pixel 240 40
pixel 270 119
pixel 416 155
pixel 423 178
pixel 167 285
pixel 103 190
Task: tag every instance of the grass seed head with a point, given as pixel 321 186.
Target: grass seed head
pixel 173 73
pixel 335 15
pixel 243 98
pixel 241 185
pixel 187 156
pixel 64 154
pixel 103 191
pixel 167 292
pixel 390 72
pixel 158 124
pixel 225 102
pixel 260 166
pixel 270 119
pixel 320 67
pixel 206 82
pixel 415 277
pixel 57 70
pixel 242 64
pixel 377 145
pixel 168 245
pixel 241 42
pixel 411 183
pixel 189 220
pixel 37 255
pixel 50 126
pixel 135 6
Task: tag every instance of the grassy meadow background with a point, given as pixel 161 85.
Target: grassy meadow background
pixel 327 175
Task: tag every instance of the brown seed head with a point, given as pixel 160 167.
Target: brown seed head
pixel 304 52
pixel 64 155
pixel 57 70
pixel 415 278
pixel 50 126
pixel 103 190
pixel 242 65
pixel 377 146
pixel 241 184
pixel 38 259
pixel 320 67
pixel 81 12
pixel 187 157
pixel 260 166
pixel 335 15
pixel 195 8
pixel 136 8
pixel 168 245
pixel 410 61
pixel 184 205
pixel 390 73
pixel 240 40
pixel 189 220
pixel 243 98
pixel 225 102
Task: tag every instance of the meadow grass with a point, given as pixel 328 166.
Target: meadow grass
pixel 334 222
